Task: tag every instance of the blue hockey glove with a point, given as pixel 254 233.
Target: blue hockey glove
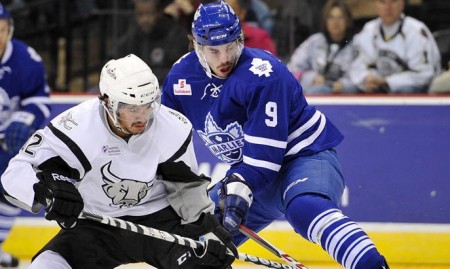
pixel 62 199
pixel 235 198
pixel 18 131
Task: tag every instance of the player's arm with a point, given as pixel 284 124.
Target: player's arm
pixel 188 197
pixel 186 189
pixel 39 177
pixel 266 133
pixel 34 106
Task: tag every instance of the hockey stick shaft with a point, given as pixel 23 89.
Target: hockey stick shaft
pixel 264 243
pixel 170 237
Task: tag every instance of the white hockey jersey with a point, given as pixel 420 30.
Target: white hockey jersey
pixel 114 177
pixel 408 60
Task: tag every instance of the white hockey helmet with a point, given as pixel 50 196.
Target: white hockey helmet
pixel 129 80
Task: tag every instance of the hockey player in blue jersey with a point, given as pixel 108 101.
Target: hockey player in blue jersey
pixel 24 105
pixel 252 114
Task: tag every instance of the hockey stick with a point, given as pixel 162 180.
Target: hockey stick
pixel 174 238
pixel 264 243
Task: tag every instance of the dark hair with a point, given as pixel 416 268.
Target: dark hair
pixel 342 5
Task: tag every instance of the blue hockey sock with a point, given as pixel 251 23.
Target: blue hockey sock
pixel 7 216
pixel 320 221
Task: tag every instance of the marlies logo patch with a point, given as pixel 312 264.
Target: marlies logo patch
pixel 261 67
pixel 182 88
pixel 112 150
pixel 226 143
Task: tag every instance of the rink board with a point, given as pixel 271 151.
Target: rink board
pixel 395 158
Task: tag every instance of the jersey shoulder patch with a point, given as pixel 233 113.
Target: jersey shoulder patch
pixel 178 116
pixel 76 117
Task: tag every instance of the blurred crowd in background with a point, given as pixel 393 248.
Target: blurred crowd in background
pixel 75 38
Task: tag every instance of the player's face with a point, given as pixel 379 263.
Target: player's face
pixel 389 10
pixel 221 59
pixel 4 35
pixel 134 118
pixel 336 24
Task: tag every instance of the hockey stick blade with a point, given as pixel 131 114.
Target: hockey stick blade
pixel 174 238
pixel 264 243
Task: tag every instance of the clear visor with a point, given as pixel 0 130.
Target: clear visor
pixel 226 53
pixel 138 113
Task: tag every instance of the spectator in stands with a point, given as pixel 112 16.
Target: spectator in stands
pixel 24 105
pixel 182 11
pixel 322 61
pixel 156 38
pixel 441 83
pixel 396 53
pixel 260 15
pixel 254 36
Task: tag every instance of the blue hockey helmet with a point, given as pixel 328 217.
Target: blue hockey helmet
pixel 4 14
pixel 216 24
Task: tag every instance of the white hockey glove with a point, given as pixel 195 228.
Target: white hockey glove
pixel 62 199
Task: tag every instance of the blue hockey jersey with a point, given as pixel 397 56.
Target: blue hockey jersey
pixel 23 84
pixel 256 120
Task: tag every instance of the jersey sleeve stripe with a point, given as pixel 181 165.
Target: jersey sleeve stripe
pixel 76 150
pixel 313 120
pixel 41 102
pixel 182 149
pixel 308 141
pixel 259 163
pixel 265 141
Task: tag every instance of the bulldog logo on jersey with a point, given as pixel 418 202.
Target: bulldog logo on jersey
pixel 261 67
pixel 226 143
pixel 123 192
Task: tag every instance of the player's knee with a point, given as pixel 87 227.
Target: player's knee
pixel 49 260
pixel 308 212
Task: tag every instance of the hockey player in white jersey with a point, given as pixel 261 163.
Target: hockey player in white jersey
pixel 122 155
pixel 396 53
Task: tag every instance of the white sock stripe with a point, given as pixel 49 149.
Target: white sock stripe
pixel 6 222
pixel 9 210
pixel 350 248
pixel 338 235
pixel 322 221
pixel 361 254
pixel 316 224
pixel 3 235
pixel 347 232
pixel 356 251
